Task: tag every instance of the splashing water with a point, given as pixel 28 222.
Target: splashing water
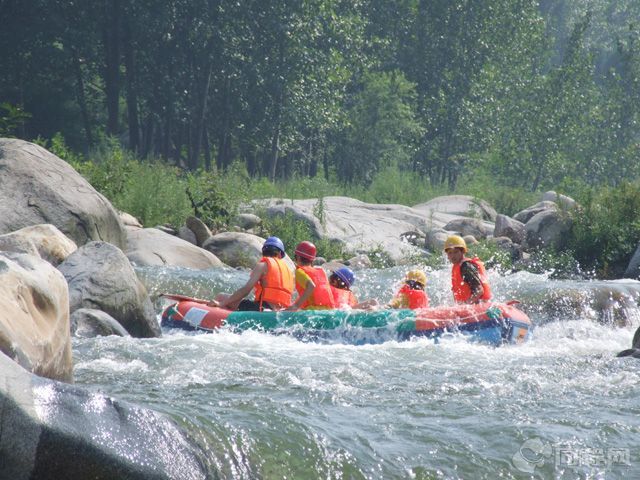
pixel 266 406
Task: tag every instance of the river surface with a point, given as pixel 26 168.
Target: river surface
pixel 273 407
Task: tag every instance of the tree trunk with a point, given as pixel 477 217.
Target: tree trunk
pixel 207 150
pixel 199 125
pixel 147 136
pixel 538 179
pixel 132 95
pixel 112 63
pixel 223 140
pixel 82 99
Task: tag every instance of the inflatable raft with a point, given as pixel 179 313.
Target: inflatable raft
pixel 494 323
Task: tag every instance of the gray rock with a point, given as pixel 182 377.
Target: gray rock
pixel 414 237
pixel 150 246
pixel 39 188
pixel 200 230
pixel 100 277
pixel 187 235
pixel 548 228
pixel 44 241
pixel 168 229
pixel 319 261
pixel 525 215
pixel 508 227
pixel 247 221
pixel 359 262
pixel 129 220
pixel 470 240
pixel 89 323
pixel 236 249
pixel 435 239
pixel 564 202
pixel 504 243
pixel 34 317
pixel 458 206
pixel 470 226
pixel 53 430
pixel 357 225
pixel 633 269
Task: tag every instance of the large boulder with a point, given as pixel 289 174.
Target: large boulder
pixel 633 269
pixel 247 221
pixel 434 240
pixel 51 430
pixel 509 227
pixel 89 323
pixel 528 213
pixel 151 246
pixel 449 207
pixel 44 241
pixel 34 316
pixel 101 277
pixel 240 249
pixel 199 229
pixel 470 226
pixel 564 202
pixel 547 229
pixel 236 249
pixel 38 187
pixel 357 225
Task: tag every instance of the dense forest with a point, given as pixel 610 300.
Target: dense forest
pixel 533 92
pixel 205 103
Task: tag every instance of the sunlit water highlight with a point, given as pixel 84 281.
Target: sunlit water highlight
pixel 265 406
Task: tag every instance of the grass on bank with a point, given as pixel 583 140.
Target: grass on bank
pixel 605 232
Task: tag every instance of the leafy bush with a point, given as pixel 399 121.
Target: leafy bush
pixel 216 197
pixel 11 118
pixel 606 228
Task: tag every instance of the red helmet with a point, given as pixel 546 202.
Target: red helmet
pixel 306 250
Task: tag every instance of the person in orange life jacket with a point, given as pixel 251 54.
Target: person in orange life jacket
pixel 271 279
pixel 411 294
pixel 341 282
pixel 314 292
pixel 469 282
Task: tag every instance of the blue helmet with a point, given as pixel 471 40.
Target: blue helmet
pixel 274 242
pixel 346 275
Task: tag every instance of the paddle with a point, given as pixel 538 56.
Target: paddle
pixel 184 298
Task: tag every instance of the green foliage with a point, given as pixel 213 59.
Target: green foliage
pixel 11 118
pixel 58 146
pixel 379 258
pixel 383 129
pixel 150 191
pixel 155 194
pixel 606 228
pixel 216 197
pixel 393 102
pixel 506 199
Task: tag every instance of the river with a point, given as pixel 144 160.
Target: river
pixel 262 406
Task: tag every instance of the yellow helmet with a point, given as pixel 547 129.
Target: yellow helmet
pixel 417 276
pixel 455 241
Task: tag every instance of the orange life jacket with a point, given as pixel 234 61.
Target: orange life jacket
pixel 343 298
pixel 276 286
pixel 461 291
pixel 321 296
pixel 416 298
